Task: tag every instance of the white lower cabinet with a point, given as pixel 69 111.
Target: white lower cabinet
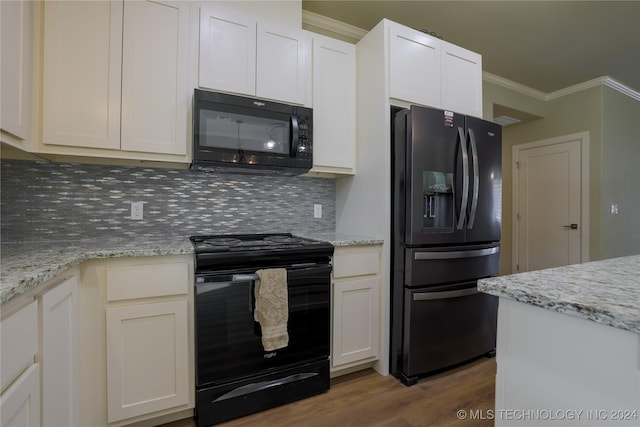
pixel 137 334
pixel 356 306
pixel 147 358
pixel 20 376
pixel 59 353
pixel 45 332
pixel 20 403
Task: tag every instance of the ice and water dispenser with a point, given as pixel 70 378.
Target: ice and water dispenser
pixel 438 199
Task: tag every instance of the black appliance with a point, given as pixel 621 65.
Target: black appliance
pixel 241 134
pixel 235 376
pixel 446 226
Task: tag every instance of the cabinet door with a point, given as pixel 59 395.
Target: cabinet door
pixel 15 62
pixel 334 114
pixel 18 332
pixel 461 80
pixel 147 358
pixel 355 320
pixel 227 51
pixel 281 63
pixel 82 66
pixel 414 66
pixel 20 403
pixel 60 382
pixel 155 95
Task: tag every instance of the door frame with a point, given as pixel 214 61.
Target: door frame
pixel 583 137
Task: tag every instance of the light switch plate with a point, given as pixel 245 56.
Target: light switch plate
pixel 317 211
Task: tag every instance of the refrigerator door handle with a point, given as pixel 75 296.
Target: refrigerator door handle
pixel 429 296
pixel 455 254
pixel 476 179
pixel 465 178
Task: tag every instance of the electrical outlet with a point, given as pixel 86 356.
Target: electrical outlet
pixel 137 210
pixel 614 209
pixel 317 211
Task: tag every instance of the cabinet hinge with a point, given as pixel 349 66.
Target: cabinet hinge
pixel 517 268
pixel 518 217
pixel 518 164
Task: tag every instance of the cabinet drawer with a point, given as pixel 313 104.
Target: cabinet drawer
pixel 356 261
pixel 147 280
pixel 20 335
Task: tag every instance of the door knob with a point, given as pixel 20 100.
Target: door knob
pixel 572 226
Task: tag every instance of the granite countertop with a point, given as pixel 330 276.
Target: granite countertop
pixel 26 265
pixel 343 239
pixel 606 291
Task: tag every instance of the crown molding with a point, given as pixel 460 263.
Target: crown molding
pixel 599 81
pixel 510 84
pixel 616 85
pixel 534 93
pixel 319 21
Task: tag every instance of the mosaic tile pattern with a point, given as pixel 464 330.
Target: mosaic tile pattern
pixel 45 201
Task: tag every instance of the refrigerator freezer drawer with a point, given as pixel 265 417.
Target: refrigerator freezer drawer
pixel 433 266
pixel 446 327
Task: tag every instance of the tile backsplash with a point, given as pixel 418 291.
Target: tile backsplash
pixel 69 201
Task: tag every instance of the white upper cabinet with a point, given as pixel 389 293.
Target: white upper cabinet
pixel 414 66
pixel 428 71
pixel 334 105
pixel 461 82
pixel 96 51
pixel 155 91
pixel 239 54
pixel 16 62
pixel 281 63
pixel 227 51
pixel 82 66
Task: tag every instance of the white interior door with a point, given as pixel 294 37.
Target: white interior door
pixel 548 231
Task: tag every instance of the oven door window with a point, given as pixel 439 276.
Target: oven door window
pixel 224 128
pixel 229 343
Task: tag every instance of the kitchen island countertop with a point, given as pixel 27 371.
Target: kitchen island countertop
pixel 607 291
pixel 26 265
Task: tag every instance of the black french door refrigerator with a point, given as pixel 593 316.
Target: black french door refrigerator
pixel 446 225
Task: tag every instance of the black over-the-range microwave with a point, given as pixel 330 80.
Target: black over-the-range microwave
pixel 243 134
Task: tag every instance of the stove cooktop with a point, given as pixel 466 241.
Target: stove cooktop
pixel 250 242
pixel 225 250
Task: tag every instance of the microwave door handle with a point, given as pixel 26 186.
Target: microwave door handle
pixel 295 136
pixel 476 179
pixel 465 178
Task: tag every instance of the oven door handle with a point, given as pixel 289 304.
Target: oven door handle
pixel 244 277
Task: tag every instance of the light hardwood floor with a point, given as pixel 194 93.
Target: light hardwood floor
pixel 367 399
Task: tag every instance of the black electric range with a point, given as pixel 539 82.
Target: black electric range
pixel 235 375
